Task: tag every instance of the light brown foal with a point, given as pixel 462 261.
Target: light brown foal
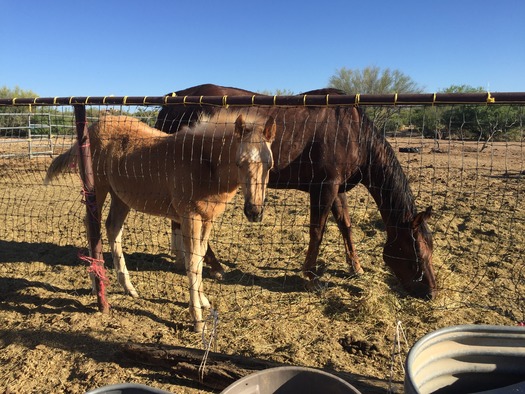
pixel 188 177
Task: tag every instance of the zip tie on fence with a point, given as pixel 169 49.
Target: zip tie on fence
pixel 304 100
pixel 327 104
pixel 73 165
pixel 396 351
pixel 214 318
pixel 253 99
pixel 92 206
pixel 225 101
pixel 86 193
pixel 434 99
pixel 124 101
pixel 490 99
pixel 357 98
pixel 395 99
pixel 200 100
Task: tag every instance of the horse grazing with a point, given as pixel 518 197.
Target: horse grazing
pixel 327 151
pixel 187 177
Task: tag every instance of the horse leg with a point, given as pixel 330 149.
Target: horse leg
pixel 177 245
pixel 118 212
pixel 342 218
pixel 177 249
pixel 205 247
pixel 320 202
pixel 216 270
pixel 192 237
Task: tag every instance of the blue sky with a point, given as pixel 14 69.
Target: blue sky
pixel 96 48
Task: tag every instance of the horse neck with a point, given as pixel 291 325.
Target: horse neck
pixel 387 183
pixel 219 152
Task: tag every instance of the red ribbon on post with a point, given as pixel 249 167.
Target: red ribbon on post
pixel 93 223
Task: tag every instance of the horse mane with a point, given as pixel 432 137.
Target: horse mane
pixel 209 124
pixel 385 171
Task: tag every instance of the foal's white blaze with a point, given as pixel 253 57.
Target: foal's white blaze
pixel 254 161
pixel 252 153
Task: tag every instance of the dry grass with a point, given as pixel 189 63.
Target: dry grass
pixel 53 340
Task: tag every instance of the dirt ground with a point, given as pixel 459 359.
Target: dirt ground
pixel 52 338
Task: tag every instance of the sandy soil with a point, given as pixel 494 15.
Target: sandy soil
pixel 52 338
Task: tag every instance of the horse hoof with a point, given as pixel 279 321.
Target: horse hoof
pixel 198 326
pixel 320 268
pixel 357 272
pixel 218 275
pixel 133 293
pixel 314 285
pixel 205 303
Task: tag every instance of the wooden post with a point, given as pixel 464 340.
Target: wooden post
pixel 93 223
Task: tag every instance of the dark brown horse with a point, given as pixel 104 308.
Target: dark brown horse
pixel 327 151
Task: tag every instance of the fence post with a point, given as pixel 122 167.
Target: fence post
pixel 93 222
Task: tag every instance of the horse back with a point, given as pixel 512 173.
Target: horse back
pixel 148 170
pixel 172 118
pixel 312 143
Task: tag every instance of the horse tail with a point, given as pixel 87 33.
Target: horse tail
pixel 61 163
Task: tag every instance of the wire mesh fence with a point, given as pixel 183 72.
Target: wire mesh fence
pixel 464 160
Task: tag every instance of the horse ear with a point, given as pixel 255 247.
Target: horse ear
pixel 421 217
pixel 270 129
pixel 240 126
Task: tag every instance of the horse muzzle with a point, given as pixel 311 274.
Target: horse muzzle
pixel 421 290
pixel 254 213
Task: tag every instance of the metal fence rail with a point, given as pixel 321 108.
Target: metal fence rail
pixel 298 100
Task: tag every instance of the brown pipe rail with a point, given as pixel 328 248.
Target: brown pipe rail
pixel 298 100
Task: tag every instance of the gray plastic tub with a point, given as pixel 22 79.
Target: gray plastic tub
pixel 468 359
pixel 290 380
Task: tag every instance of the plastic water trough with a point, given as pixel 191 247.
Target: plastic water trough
pixel 468 359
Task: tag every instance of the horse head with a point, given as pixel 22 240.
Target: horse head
pixel 408 253
pixel 254 160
